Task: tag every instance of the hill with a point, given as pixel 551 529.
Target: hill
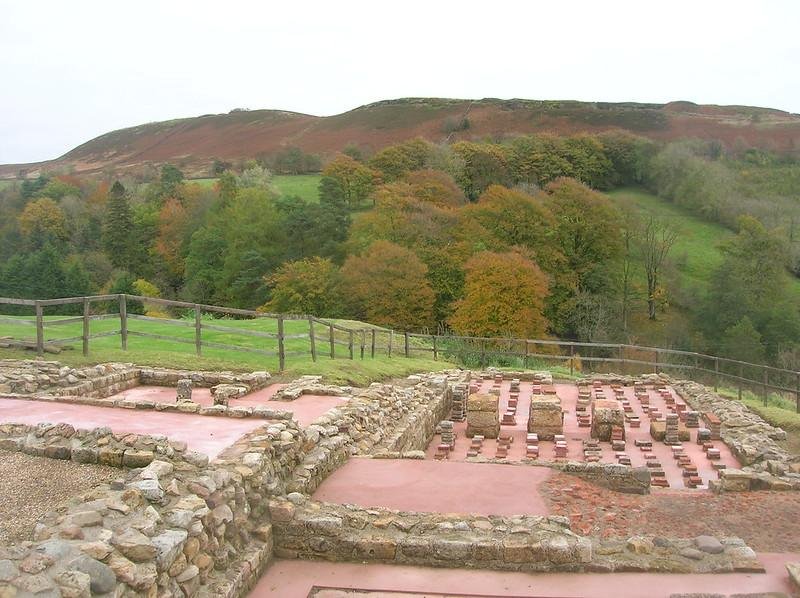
pixel 193 143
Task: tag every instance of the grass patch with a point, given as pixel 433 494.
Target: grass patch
pixel 696 253
pixel 305 186
pixel 177 354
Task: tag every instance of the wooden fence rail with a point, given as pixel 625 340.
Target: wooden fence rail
pixel 324 336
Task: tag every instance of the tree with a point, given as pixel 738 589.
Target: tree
pixel 228 187
pixel 504 295
pixel 395 161
pixel 484 165
pixel 308 286
pixel 170 180
pixel 435 187
pixel 118 226
pixel 42 221
pixel 387 286
pixel 743 342
pixel 172 224
pixel 588 231
pixel 355 180
pixel 124 284
pixel 656 240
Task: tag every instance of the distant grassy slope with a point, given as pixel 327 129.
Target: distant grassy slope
pixel 696 254
pixel 302 185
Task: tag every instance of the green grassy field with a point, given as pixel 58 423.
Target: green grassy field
pixel 4 184
pixel 302 185
pixel 696 254
pixel 180 352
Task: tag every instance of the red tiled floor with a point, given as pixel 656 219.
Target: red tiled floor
pixel 205 434
pixel 568 393
pixel 437 486
pixel 305 409
pixel 295 579
pixel 202 396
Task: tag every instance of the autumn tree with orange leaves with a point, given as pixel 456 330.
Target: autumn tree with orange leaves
pixel 504 295
pixel 387 285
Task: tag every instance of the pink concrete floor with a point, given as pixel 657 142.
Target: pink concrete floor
pixel 305 409
pixel 437 486
pixel 295 579
pixel 202 396
pixel 204 434
pixel 568 393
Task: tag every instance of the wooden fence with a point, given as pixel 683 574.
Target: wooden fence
pixel 324 338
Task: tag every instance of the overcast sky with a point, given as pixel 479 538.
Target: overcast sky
pixel 70 71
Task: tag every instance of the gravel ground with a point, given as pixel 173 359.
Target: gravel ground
pixel 32 486
pixel 767 521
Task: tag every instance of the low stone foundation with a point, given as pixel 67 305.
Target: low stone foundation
pixel 315 530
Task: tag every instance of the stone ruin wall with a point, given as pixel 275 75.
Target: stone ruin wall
pixel 175 525
pixel 315 530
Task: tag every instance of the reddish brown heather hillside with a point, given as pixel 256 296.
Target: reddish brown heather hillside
pixel 193 143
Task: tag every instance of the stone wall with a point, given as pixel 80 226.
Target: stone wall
pixel 311 385
pixel 175 527
pixel 315 530
pixel 383 420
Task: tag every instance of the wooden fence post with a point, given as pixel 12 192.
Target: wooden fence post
pixel 435 352
pixel 620 360
pixel 350 345
pixel 123 321
pixel 363 342
pixel 312 338
pixel 571 359
pixel 658 359
pixel 391 341
pixel 198 331
pixel 483 353
pixel 797 394
pixel 372 345
pixel 332 341
pixel 407 347
pixel 85 326
pixel 39 329
pixel 525 355
pixel 741 375
pixel 716 372
pixel 281 348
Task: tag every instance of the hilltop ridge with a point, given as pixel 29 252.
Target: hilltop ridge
pixel 195 142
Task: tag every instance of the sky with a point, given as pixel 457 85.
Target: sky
pixel 70 71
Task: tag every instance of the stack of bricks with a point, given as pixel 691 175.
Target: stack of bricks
pixel 509 416
pixel 482 417
pixel 646 446
pixel 703 435
pixel 458 411
pixel 448 436
pixel 692 419
pixel 657 475
pixel 714 425
pixel 633 420
pixel 591 450
pixel 532 446
pixel 622 458
pixel 671 434
pixel 560 449
pixel 475 446
pixel 503 445
pixel 442 451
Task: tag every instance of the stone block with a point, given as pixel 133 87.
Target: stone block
pixel 545 417
pixel 482 402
